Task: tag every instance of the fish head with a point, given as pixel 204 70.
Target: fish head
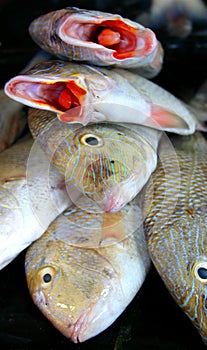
pixel 181 260
pixel 97 37
pixel 108 163
pixel 77 289
pixel 199 271
pixel 61 87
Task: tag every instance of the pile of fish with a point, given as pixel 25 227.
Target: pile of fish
pixel 100 187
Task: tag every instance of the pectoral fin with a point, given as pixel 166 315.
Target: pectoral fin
pixel 164 119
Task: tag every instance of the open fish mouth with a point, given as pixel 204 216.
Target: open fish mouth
pixel 58 96
pixel 117 35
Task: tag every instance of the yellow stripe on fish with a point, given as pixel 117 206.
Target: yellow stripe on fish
pixel 99 38
pixel 176 224
pixel 80 279
pixel 84 94
pixel 109 163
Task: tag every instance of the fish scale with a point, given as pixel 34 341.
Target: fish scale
pixel 176 224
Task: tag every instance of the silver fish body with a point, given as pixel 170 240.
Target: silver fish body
pixel 98 38
pixel 87 267
pixel 31 196
pixel 174 206
pixel 85 94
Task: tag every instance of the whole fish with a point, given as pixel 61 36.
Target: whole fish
pixel 99 38
pixel 86 268
pixel 175 212
pixel 12 116
pixel 31 196
pixel 108 163
pixel 83 94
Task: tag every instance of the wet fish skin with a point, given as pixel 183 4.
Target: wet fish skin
pixel 30 197
pixel 110 171
pixel 175 224
pixel 85 94
pixel 99 38
pixel 86 268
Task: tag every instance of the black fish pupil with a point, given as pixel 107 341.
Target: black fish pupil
pixel 202 273
pixel 91 141
pixel 47 278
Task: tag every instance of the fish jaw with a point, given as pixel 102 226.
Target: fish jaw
pixel 125 191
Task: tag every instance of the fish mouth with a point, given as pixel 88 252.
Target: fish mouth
pixel 119 37
pixel 65 97
pixel 77 329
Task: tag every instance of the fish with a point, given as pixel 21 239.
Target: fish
pixel 85 94
pixel 32 195
pixel 99 38
pixel 13 119
pixel 174 209
pixel 108 163
pixel 87 267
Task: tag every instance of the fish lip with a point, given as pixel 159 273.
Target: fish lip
pixel 77 329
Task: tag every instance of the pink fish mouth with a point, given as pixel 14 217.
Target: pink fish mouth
pixel 66 98
pixel 78 329
pixel 125 40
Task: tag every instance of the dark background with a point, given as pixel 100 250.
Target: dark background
pixel 153 320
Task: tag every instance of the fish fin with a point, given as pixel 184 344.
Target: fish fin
pixel 113 229
pixel 164 119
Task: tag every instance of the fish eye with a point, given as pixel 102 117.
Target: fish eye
pixel 46 276
pixel 200 271
pixel 91 140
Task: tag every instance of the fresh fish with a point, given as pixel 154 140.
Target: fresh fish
pixel 12 116
pixel 109 163
pixel 100 38
pixel 83 94
pixel 175 223
pixel 31 196
pixel 86 268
